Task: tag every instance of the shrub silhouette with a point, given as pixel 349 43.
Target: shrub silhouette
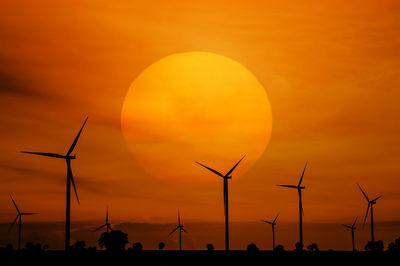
pixel 279 248
pixel 375 246
pixel 299 246
pixel 210 247
pixel 313 247
pixel 394 246
pixel 161 245
pixel 252 248
pixel 78 245
pixel 115 240
pixel 137 246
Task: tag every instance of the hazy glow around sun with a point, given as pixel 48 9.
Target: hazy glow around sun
pixel 195 106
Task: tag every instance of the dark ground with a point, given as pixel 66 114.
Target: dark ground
pixel 148 257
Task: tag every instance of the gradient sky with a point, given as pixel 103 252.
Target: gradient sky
pixel 330 69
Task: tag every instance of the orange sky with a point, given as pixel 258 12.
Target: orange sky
pixel 330 69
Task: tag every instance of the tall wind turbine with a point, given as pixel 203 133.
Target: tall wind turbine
pixel 19 218
pixel 225 177
pixel 352 228
pixel 180 227
pixel 273 223
pixel 370 207
pixel 299 187
pixel 107 224
pixel 70 179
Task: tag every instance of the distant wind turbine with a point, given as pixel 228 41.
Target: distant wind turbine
pixel 180 227
pixel 352 228
pixel 225 177
pixel 299 187
pixel 370 207
pixel 107 224
pixel 70 179
pixel 19 218
pixel 273 223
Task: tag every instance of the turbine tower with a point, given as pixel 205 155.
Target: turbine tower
pixel 273 223
pixel 370 207
pixel 352 228
pixel 226 210
pixel 299 187
pixel 19 218
pixel 180 227
pixel 70 179
pixel 107 224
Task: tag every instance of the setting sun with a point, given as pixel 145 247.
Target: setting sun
pixel 195 106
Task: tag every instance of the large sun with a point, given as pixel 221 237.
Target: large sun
pixel 196 106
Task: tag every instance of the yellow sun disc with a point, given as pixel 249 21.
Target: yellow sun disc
pixel 196 106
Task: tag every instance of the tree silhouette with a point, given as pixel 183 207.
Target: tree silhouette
pixel 115 240
pixel 161 245
pixel 210 247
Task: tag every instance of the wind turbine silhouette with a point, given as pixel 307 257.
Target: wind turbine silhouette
pixel 180 227
pixel 107 224
pixel 299 187
pixel 273 223
pixel 226 210
pixel 70 179
pixel 19 218
pixel 370 206
pixel 352 228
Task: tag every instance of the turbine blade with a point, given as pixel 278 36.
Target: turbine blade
pixel 212 170
pixel 347 226
pixel 377 198
pixel 97 229
pixel 179 218
pixel 266 221
pixel 109 226
pixel 233 168
pixel 289 186
pixel 12 224
pixel 15 204
pixel 276 217
pixel 72 180
pixel 366 214
pixel 47 154
pixel 76 138
pixel 365 195
pixel 176 228
pixel 355 222
pixel 302 175
pixel 183 229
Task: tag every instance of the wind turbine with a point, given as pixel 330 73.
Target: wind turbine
pixel 19 218
pixel 180 227
pixel 70 179
pixel 352 228
pixel 273 223
pixel 107 224
pixel 225 177
pixel 299 187
pixel 370 206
